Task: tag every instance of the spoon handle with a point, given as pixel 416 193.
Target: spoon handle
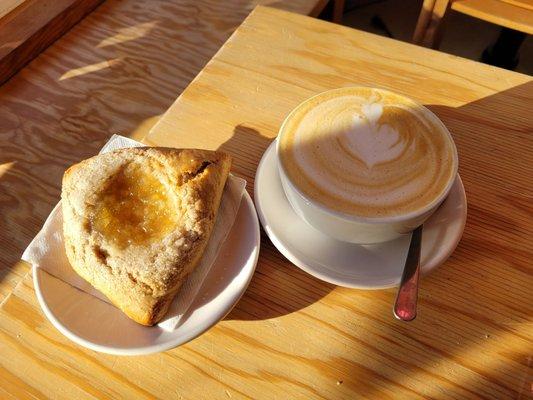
pixel 406 299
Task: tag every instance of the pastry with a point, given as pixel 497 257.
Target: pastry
pixel 137 220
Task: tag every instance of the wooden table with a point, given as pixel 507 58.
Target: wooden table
pixel 512 14
pixel 291 335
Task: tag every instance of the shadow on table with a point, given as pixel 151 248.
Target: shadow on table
pixel 479 298
pixel 277 287
pixel 469 306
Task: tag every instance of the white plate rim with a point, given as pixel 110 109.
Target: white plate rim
pixel 180 339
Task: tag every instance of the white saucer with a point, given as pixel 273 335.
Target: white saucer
pixel 99 326
pixel 357 266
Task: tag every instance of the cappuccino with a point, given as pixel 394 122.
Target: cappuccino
pixel 367 153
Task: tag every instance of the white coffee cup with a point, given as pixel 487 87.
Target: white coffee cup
pixel 349 226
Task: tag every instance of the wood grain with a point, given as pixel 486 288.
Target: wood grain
pixel 521 3
pixel 6 6
pixel 117 71
pixel 293 336
pixel 33 26
pixel 429 27
pixel 514 15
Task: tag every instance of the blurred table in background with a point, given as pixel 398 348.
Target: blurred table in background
pixel 291 335
pixel 511 14
pixel 116 71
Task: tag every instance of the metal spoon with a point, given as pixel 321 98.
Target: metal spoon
pixel 406 299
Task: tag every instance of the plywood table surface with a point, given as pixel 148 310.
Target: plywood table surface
pixel 291 335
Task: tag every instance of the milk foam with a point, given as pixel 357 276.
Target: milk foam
pixel 367 151
pixel 373 143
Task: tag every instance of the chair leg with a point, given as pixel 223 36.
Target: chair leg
pixel 504 52
pixel 429 27
pixel 338 9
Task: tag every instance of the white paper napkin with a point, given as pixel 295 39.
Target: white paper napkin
pixel 47 250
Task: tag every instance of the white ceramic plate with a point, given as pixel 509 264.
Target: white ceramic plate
pixel 99 326
pixel 358 266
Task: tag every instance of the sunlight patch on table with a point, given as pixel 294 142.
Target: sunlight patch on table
pixel 5 167
pixel 129 33
pixel 89 68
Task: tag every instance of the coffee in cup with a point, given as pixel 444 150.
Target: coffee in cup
pixel 373 159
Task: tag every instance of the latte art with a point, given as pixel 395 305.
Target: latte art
pixel 371 142
pixel 367 152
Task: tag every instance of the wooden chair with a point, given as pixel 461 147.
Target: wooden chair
pixel 516 15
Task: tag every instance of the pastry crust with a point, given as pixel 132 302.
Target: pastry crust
pixel 142 276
